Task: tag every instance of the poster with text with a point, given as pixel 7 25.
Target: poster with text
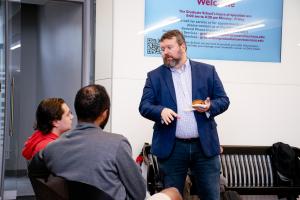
pixel 243 30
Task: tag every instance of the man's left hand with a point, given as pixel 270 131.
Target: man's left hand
pixel 207 103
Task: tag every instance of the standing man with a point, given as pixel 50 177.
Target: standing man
pixel 90 155
pixel 184 138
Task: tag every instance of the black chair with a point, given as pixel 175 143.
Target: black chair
pixel 50 187
pixel 44 184
pixel 249 170
pixel 82 191
pixel 55 188
pixel 154 177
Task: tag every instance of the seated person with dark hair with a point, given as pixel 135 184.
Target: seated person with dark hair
pixel 53 118
pixel 90 155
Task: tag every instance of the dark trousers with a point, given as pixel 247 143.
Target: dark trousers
pixel 189 155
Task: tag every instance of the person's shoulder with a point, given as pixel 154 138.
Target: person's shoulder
pixel 114 136
pixel 158 69
pixel 116 140
pixel 201 64
pixel 42 144
pixel 45 142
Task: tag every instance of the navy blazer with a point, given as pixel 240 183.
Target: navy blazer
pixel 159 92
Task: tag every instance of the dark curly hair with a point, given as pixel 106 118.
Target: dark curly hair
pixel 48 110
pixel 90 102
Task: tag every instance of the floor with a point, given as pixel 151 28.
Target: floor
pixel 23 191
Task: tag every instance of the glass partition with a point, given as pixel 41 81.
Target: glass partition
pixel 10 56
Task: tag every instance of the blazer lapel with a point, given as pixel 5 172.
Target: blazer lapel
pixel 169 82
pixel 196 80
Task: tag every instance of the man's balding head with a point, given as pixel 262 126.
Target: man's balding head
pixel 90 103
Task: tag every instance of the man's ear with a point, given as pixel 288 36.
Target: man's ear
pixel 183 46
pixel 104 114
pixel 55 123
pixel 104 118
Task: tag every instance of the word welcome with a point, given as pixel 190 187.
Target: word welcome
pixel 212 3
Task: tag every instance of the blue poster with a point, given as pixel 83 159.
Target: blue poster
pixel 244 30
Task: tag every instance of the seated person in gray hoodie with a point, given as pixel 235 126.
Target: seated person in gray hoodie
pixel 90 155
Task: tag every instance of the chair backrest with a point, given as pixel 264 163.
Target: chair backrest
pixel 154 177
pixel 79 191
pixel 247 166
pixel 55 188
pixel 49 187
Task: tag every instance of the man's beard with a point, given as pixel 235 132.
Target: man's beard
pixel 172 63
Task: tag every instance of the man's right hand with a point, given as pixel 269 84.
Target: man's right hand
pixel 168 115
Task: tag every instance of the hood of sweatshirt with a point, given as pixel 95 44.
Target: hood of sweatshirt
pixel 36 142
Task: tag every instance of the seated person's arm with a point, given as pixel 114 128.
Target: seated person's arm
pixel 129 172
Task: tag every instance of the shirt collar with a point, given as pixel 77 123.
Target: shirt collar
pixel 182 68
pixel 85 125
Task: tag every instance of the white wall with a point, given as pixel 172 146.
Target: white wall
pixel 264 97
pixel 103 47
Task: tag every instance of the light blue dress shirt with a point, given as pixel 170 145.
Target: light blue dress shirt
pixel 186 125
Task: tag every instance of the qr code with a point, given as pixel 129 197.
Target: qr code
pixel 153 46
